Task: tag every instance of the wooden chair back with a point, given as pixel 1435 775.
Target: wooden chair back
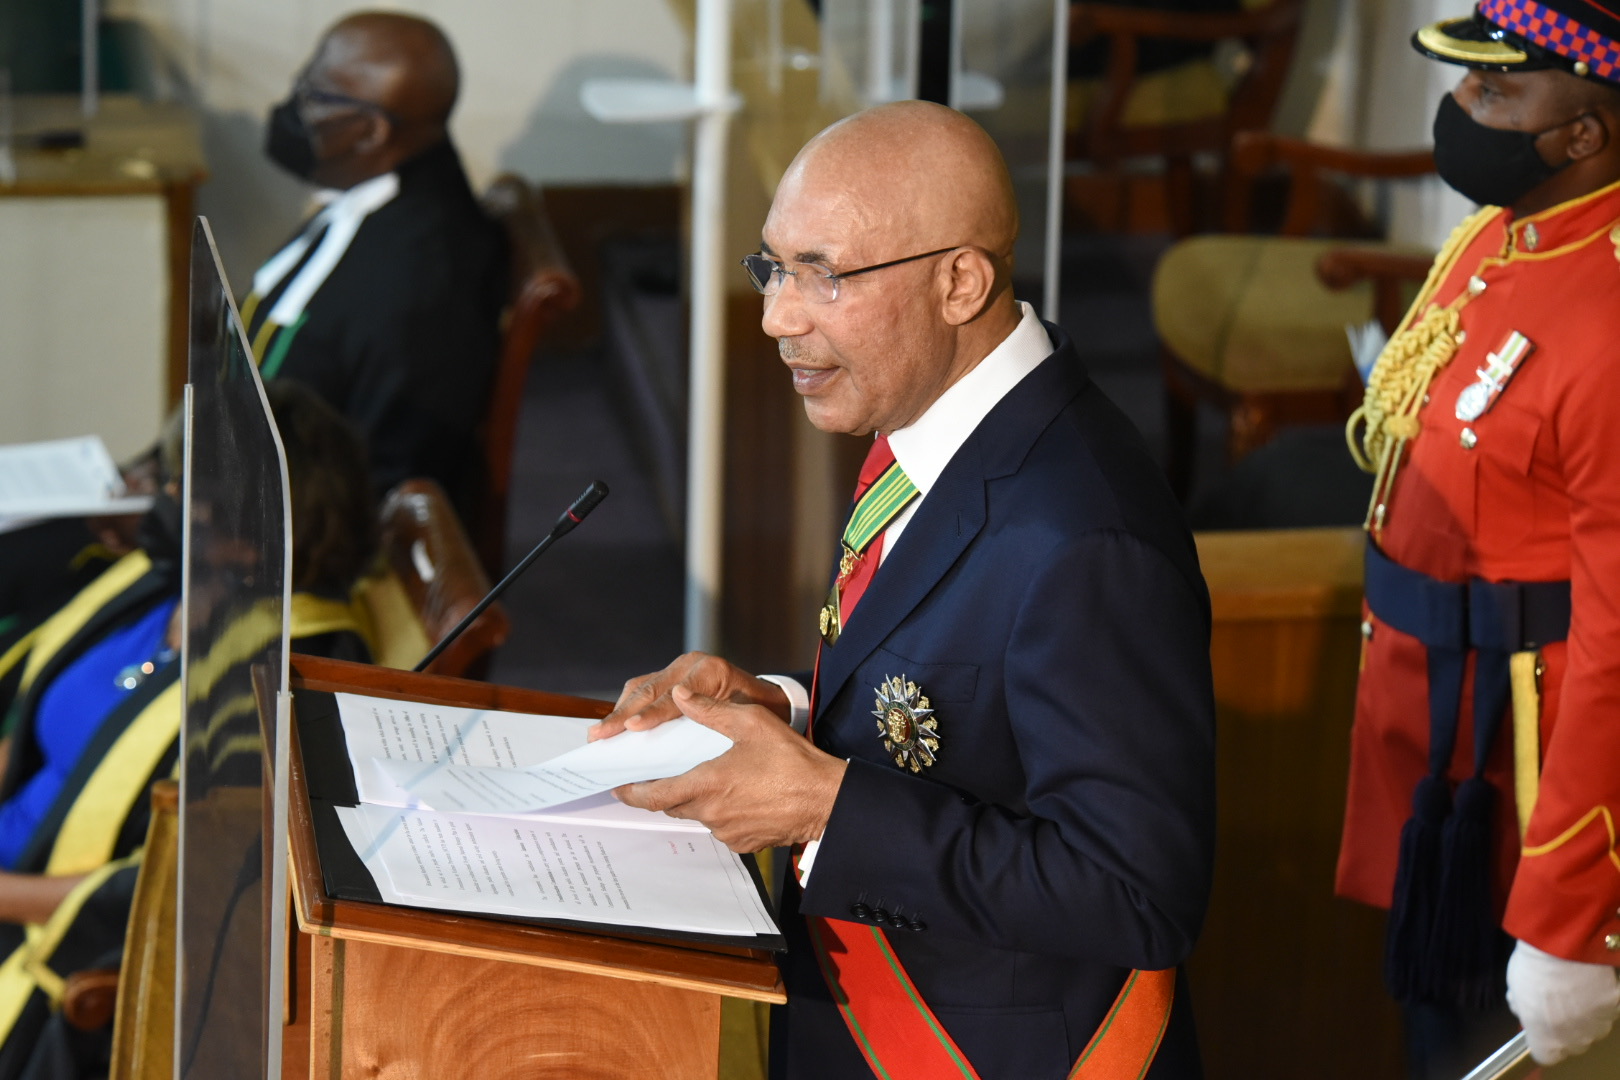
pixel 1311 169
pixel 543 288
pixel 1268 35
pixel 143 1018
pixel 432 578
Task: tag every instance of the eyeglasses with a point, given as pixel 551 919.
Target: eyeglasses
pixel 305 95
pixel 817 284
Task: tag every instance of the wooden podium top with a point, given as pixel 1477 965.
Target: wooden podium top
pixel 731 971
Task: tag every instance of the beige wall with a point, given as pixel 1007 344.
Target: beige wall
pixel 1382 96
pixel 522 63
pixel 83 305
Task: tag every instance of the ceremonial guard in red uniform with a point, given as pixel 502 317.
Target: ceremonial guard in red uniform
pixel 1485 772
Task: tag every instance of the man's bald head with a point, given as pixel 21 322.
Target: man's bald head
pixel 910 210
pixel 401 62
pixel 920 171
pixel 378 91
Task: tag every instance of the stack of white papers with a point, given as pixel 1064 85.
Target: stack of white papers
pixel 61 478
pixel 508 814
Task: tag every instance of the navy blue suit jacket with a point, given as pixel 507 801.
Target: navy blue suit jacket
pixel 1046 597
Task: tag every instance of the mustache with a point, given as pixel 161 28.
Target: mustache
pixel 792 349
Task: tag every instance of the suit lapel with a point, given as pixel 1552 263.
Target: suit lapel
pixel 944 525
pixel 953 513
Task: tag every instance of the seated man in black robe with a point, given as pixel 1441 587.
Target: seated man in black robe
pixel 387 302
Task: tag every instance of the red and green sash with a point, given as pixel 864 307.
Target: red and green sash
pixel 897 1032
pixel 902 1039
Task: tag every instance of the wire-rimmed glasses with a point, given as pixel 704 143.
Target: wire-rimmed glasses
pixel 817 284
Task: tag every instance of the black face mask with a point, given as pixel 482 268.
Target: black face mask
pixel 161 530
pixel 1491 166
pixel 288 142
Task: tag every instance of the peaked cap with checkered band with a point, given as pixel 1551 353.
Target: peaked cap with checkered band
pixel 1578 36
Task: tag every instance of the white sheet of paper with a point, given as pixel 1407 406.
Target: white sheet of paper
pixel 543 869
pixel 666 750
pixel 413 732
pixel 62 478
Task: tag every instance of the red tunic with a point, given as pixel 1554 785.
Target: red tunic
pixel 1535 498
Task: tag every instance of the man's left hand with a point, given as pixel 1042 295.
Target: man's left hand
pixel 772 788
pixel 1564 1005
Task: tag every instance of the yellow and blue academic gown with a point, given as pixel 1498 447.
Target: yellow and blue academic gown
pixel 98 823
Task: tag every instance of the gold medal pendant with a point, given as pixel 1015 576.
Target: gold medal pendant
pixel 906 725
pixel 848 559
pixel 829 619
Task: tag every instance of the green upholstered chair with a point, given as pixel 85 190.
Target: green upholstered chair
pixel 1251 324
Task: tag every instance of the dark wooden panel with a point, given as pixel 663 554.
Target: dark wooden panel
pixel 586 215
pixel 1286 980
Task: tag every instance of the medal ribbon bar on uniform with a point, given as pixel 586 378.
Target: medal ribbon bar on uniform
pixel 1476 400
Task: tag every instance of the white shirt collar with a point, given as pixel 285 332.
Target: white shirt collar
pixel 341 217
pixel 924 448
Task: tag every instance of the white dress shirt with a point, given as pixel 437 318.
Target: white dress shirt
pixel 924 448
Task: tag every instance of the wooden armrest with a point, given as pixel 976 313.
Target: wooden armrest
pixel 88 998
pixel 1391 273
pixel 1256 152
pixel 539 268
pixel 1344 267
pixel 1096 20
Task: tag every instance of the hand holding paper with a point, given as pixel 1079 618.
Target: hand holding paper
pixel 667 750
pixel 774 787
pixel 646 701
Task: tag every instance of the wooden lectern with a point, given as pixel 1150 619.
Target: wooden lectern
pixel 378 990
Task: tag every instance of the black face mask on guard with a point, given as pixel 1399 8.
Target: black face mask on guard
pixel 288 141
pixel 1491 166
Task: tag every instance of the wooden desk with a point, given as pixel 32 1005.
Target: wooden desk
pixel 405 993
pixel 95 247
pixel 1287 979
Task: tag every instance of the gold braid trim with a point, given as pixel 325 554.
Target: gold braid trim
pixel 1422 345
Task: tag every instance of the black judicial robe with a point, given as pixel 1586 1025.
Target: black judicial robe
pixel 403 335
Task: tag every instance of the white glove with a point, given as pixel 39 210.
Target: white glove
pixel 1564 1005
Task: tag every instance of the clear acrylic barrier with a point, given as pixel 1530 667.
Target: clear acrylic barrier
pixel 1001 74
pixel 237 568
pixel 874 45
pixel 1002 78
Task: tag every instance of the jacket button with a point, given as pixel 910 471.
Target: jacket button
pixel 860 911
pixel 917 925
pixel 1612 941
pixel 898 921
pixel 881 915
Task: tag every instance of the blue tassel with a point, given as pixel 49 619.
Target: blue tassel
pixel 1466 959
pixel 1417 887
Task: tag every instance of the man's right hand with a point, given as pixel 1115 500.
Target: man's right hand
pixel 645 700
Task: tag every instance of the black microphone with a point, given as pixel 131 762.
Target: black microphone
pixel 571 517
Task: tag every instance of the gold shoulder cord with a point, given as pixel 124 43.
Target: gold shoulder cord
pixel 1378 432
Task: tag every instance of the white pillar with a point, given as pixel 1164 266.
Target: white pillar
pixel 706 388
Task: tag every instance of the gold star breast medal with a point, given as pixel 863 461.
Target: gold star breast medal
pixel 906 725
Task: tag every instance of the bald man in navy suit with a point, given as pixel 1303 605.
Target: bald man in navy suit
pixel 1003 818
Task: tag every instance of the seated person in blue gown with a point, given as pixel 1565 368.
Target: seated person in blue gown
pixel 93 718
